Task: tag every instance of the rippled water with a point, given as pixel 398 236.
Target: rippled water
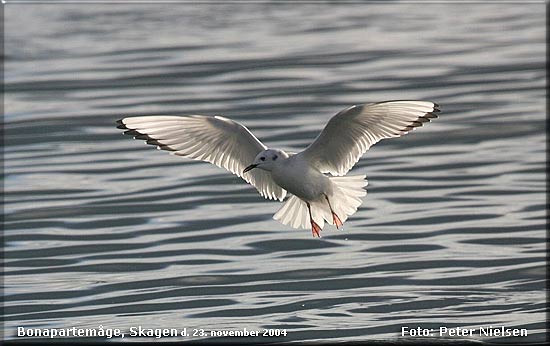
pixel 103 230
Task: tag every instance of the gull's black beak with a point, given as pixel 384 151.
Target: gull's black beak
pixel 249 168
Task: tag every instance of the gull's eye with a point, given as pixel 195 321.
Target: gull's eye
pixel 262 158
pixel 275 157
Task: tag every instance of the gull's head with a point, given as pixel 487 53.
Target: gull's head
pixel 267 159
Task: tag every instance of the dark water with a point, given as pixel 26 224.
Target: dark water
pixel 103 230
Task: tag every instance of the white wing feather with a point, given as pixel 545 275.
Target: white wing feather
pixel 351 132
pixel 217 140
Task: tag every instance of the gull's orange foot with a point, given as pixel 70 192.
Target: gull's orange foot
pixel 337 220
pixel 315 229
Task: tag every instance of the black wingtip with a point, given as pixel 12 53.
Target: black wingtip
pixel 131 132
pixel 121 125
pixel 431 115
pixel 141 136
pixel 149 140
pixel 153 141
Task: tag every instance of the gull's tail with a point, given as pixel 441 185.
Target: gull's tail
pixel 346 197
pixel 293 213
pixel 345 200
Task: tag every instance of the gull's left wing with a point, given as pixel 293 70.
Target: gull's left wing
pixel 214 139
pixel 351 132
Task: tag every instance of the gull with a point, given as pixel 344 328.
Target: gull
pixel 315 178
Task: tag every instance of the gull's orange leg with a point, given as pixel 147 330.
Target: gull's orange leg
pixel 335 217
pixel 315 229
pixel 337 220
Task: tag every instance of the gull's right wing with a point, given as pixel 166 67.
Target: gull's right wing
pixel 351 132
pixel 214 139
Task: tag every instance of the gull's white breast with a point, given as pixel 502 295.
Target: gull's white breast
pixel 298 177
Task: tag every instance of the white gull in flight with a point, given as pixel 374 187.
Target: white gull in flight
pixel 315 196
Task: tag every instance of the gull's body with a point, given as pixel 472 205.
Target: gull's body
pixel 316 196
pixel 312 183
